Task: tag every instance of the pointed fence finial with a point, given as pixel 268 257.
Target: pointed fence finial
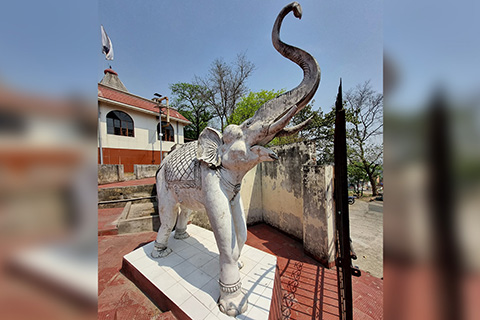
pixel 339 102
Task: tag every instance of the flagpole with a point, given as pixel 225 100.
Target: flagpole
pixel 99 132
pixel 107 49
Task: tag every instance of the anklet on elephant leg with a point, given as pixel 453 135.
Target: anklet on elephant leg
pixel 230 288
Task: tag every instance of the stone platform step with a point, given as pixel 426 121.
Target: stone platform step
pixel 108 196
pixel 186 281
pixel 138 217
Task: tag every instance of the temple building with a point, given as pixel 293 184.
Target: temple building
pixel 129 127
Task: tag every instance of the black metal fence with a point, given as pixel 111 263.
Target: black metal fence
pixel 342 223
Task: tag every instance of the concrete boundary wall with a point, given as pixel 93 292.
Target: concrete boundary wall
pixel 108 173
pixel 282 187
pixel 145 170
pixel 297 198
pixel 318 213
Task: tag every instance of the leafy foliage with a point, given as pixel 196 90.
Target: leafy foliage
pixel 189 99
pixel 356 176
pixel 250 103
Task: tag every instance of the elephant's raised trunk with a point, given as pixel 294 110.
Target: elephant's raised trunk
pixel 279 110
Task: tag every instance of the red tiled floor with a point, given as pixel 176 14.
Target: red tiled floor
pixel 118 297
pixel 309 289
pixel 138 182
pixel 107 219
pixel 111 249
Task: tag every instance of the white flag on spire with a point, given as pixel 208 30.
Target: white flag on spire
pixel 107 46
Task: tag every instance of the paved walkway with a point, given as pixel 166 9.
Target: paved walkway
pixel 366 231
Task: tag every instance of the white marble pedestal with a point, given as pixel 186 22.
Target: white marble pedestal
pixel 186 281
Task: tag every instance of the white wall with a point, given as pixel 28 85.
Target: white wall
pixel 145 131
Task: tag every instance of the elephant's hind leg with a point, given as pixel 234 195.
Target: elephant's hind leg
pixel 182 221
pixel 168 216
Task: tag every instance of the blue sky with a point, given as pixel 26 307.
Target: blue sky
pixel 54 47
pixel 157 43
pixel 49 46
pixel 432 44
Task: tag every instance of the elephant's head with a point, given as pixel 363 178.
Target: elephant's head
pixel 242 147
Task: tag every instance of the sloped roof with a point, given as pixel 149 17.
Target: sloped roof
pixel 135 101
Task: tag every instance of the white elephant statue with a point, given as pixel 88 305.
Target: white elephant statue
pixel 208 173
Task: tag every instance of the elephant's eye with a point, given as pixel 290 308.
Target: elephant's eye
pixel 249 122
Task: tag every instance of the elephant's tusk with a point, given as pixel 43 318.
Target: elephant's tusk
pixel 282 122
pixel 273 155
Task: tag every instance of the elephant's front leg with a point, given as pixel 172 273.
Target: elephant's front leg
pixel 233 300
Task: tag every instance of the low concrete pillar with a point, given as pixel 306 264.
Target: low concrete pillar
pixel 145 170
pixel 318 214
pixel 108 173
pixel 282 187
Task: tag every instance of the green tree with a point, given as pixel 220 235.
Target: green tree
pixel 250 103
pixel 365 129
pixel 356 177
pixel 190 101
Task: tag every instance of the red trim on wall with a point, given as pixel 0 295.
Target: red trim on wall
pixel 129 157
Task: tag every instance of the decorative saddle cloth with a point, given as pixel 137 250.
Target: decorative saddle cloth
pixel 182 169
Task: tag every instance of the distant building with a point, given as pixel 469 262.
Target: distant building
pixel 129 126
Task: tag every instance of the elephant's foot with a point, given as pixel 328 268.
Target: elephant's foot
pixel 160 251
pixel 240 264
pixel 181 234
pixel 233 300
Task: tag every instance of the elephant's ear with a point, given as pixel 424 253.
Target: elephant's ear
pixel 209 142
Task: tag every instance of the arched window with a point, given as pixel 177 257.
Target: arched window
pixel 167 130
pixel 120 124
